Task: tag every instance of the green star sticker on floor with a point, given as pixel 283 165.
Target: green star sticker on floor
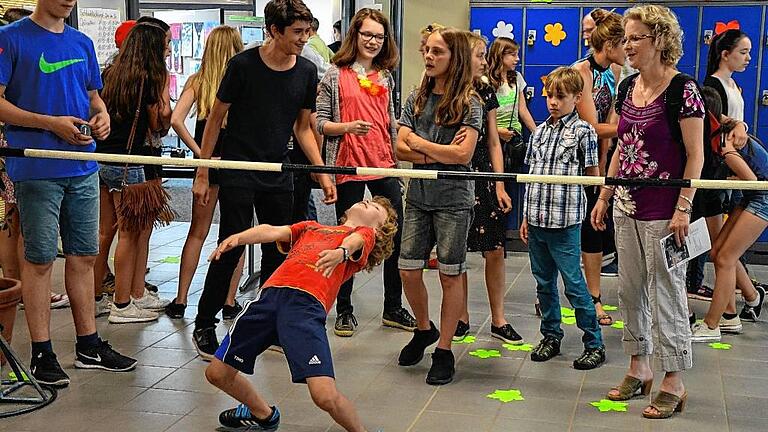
pixel 720 346
pixel 170 260
pixel 521 347
pixel 618 324
pixel 605 405
pixel 567 312
pixel 467 340
pixel 569 320
pixel 485 354
pixel 506 396
pixel 609 308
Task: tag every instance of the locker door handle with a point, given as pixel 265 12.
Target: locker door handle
pixel 708 37
pixel 764 98
pixel 529 92
pixel 531 37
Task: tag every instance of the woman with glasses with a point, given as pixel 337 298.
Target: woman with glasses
pixel 356 113
pixel 660 131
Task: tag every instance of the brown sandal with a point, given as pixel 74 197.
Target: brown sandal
pixel 666 404
pixel 631 387
pixel 605 320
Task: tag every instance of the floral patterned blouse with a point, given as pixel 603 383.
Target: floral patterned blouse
pixel 648 150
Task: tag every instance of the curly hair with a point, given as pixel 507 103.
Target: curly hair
pixel 665 29
pixel 385 234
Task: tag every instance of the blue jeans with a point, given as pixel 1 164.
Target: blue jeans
pixel 70 203
pixel 557 249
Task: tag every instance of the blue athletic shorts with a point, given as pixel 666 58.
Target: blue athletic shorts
pixel 287 317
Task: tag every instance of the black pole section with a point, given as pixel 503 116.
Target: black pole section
pixel 396 18
pixel 647 182
pixel 131 9
pixel 11 152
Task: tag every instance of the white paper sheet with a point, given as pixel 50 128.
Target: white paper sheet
pixel 696 243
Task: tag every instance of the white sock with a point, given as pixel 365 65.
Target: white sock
pixel 755 302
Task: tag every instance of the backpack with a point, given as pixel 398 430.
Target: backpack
pixel 713 161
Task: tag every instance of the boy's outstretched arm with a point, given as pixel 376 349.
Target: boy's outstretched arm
pixel 330 258
pixel 259 234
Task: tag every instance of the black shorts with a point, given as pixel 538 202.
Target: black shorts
pixel 708 203
pixel 287 317
pixel 596 241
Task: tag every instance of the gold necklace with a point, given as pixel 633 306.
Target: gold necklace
pixel 653 92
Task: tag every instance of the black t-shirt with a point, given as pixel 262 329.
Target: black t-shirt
pixel 264 106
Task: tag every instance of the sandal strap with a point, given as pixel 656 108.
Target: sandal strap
pixel 665 402
pixel 629 386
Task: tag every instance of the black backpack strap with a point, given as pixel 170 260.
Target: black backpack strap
pixel 621 94
pixel 674 102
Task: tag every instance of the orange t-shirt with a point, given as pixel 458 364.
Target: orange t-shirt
pixel 308 239
pixel 375 148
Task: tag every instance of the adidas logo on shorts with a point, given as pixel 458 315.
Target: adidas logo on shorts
pixel 315 361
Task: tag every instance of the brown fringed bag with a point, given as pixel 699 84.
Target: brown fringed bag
pixel 144 204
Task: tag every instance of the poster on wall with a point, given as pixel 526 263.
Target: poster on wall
pixel 100 24
pixel 197 40
pixel 186 39
pixel 176 31
pixel 172 89
pixel 176 56
pixel 207 29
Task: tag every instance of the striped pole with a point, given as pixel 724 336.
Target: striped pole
pixel 387 172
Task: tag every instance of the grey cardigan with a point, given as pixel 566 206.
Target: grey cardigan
pixel 328 110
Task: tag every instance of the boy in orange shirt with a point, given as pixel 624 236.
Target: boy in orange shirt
pixel 292 307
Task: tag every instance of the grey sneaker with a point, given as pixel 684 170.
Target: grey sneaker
pixel 131 314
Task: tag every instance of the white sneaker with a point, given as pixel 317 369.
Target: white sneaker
pixel 702 333
pixel 131 314
pixel 150 302
pixel 732 325
pixel 103 306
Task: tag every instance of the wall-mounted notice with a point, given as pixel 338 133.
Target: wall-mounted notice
pixel 100 24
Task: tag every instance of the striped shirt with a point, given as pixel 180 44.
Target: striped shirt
pixel 564 147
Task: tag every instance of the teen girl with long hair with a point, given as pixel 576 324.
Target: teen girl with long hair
pixel 134 110
pixel 200 91
pixel 438 212
pixel 356 113
pixel 492 203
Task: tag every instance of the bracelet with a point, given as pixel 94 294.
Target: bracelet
pixel 603 199
pixel 686 210
pixel 688 200
pixel 346 252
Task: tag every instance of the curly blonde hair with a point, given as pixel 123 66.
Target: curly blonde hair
pixel 665 30
pixel 385 234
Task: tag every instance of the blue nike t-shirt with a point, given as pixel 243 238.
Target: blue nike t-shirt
pixel 47 73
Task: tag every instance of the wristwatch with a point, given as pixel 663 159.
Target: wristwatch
pixel 346 252
pixel 686 210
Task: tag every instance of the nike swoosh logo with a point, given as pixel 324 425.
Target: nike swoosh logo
pixel 96 359
pixel 48 68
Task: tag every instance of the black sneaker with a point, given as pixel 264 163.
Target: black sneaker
pixel 229 313
pixel 175 310
pixel 150 287
pixel 102 356
pixel 399 318
pixel 412 353
pixel 691 319
pixel 345 326
pixel 206 342
pixel 442 369
pixel 506 333
pixel 546 349
pixel 752 313
pixel 702 292
pixel 610 270
pixel 462 330
pixel 47 370
pixel 590 359
pixel 241 419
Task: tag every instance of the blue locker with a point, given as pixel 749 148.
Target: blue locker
pixel 748 17
pixel 495 22
pixel 562 25
pixel 688 16
pixel 538 104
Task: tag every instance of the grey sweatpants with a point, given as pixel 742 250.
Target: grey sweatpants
pixel 652 301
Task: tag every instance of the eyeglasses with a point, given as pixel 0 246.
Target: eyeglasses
pixel 367 37
pixel 634 39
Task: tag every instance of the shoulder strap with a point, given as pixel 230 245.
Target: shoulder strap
pixel 621 94
pixel 674 102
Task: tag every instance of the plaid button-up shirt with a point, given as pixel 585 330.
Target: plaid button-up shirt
pixel 564 147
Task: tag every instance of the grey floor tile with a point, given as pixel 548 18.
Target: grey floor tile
pixel 134 422
pixel 516 424
pixel 441 421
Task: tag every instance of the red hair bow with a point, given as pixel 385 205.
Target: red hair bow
pixel 721 27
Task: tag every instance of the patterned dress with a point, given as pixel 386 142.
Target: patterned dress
pixel 487 232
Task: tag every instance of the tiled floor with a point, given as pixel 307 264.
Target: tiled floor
pixel 167 392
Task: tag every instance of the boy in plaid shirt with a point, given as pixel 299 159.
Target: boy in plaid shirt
pixel 564 145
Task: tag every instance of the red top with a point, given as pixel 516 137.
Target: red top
pixel 375 148
pixel 308 239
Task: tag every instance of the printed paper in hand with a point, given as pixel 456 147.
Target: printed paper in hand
pixel 696 243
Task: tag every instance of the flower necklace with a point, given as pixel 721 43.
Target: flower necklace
pixel 368 86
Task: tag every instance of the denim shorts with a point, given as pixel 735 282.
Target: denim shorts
pixel 70 204
pixel 111 176
pixel 422 229
pixel 756 202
